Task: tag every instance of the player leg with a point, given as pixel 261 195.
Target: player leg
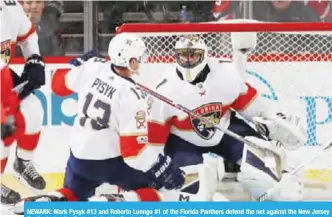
pixel 259 169
pixel 133 184
pixel 84 176
pixel 206 173
pixel 30 119
pixel 8 196
pixel 78 185
pixel 23 165
pixel 80 179
pixel 127 178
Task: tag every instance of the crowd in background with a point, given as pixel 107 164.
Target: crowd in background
pixel 62 25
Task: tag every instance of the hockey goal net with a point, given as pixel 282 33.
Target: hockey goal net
pixel 282 42
pixel 291 60
pixel 291 63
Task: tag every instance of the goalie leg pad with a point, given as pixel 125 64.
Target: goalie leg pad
pixel 257 178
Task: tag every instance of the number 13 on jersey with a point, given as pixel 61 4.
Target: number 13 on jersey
pixel 100 121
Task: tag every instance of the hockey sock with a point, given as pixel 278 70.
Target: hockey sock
pixel 68 194
pixel 148 194
pixel 26 144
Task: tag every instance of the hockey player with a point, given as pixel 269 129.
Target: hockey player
pixel 213 89
pixel 16 28
pixel 107 106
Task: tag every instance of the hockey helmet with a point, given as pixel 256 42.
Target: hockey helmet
pixel 191 56
pixel 124 47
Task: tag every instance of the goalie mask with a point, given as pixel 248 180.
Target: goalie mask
pixel 191 56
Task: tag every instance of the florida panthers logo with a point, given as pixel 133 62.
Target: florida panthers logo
pixel 211 111
pixel 5 51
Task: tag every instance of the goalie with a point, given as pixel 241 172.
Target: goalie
pixel 213 89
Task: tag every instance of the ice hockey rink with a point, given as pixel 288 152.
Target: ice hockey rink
pixel 281 77
pixel 230 189
pixel 317 179
pixel 316 176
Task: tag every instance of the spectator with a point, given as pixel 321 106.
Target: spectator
pixel 322 8
pixel 288 11
pixel 45 16
pixel 199 11
pixel 113 14
pixel 116 13
pixel 52 13
pixel 226 9
pixel 283 11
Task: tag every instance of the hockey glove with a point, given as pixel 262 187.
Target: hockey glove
pixel 34 71
pixel 166 174
pixel 244 41
pixel 85 57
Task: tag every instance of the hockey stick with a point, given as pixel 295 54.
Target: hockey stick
pixel 191 113
pixel 19 88
pixel 268 193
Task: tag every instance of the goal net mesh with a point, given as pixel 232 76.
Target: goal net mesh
pixel 271 46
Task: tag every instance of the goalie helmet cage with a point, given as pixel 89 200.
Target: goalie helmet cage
pixel 281 48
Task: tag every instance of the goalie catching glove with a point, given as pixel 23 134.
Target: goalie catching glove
pixel 282 128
